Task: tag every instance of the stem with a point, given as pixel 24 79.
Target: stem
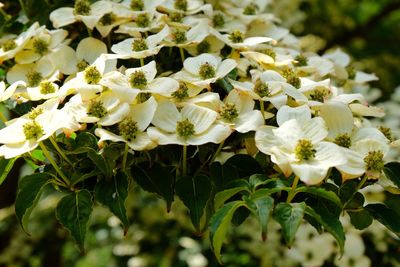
pixel 217 151
pixel 182 54
pixel 141 62
pixel 292 190
pixel 54 164
pixel 21 2
pixel 125 156
pixel 184 160
pixel 262 108
pixel 2 117
pixel 89 31
pixel 54 143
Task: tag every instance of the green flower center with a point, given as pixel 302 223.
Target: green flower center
pixel 203 47
pixel 128 129
pixel 108 19
pixel 137 5
pixel 343 140
pixel 8 45
pixel 97 109
pixel 229 112
pixel 82 65
pixel 262 89
pixel 236 36
pixel 176 17
pixel 32 130
pixel 291 77
pixel 185 128
pixel 143 97
pixel 82 7
pixel 47 87
pixel 92 75
pixel 138 79
pixel 374 161
pixel 139 45
pixel 181 4
pixel 351 72
pixel 181 93
pixel 270 52
pixel 301 60
pixel 207 71
pixel 35 112
pixel 250 9
pixel 179 36
pixel 33 78
pixel 319 94
pixel 218 20
pixel 387 132
pixel 143 20
pixel 40 46
pixel 304 150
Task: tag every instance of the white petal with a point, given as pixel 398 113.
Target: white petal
pixel 163 86
pixel 362 77
pixel 107 135
pixel 155 39
pixel 253 41
pixel 14 150
pixel 289 133
pixel 166 116
pixel 164 138
pixel 115 116
pixel 143 113
pixel 90 49
pixel 243 102
pixel 310 173
pixel 226 66
pixel 26 57
pixel 62 17
pixel 366 145
pixel 10 90
pixel 354 167
pixel 249 121
pixel 201 117
pixel 142 142
pixel 338 118
pixel 314 129
pixel 193 64
pixel 285 113
pixel 65 60
pixel 265 139
pixel 369 111
pixel 369 133
pixel 216 134
pixel 14 132
pixel 270 75
pixel 150 71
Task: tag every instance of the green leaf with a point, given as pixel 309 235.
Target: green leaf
pixel 225 84
pixel 100 162
pixel 30 189
pixel 113 193
pixel 223 196
pixel 219 224
pixel 320 193
pixel 86 139
pixel 262 208
pixel 156 179
pixel 361 219
pixel 194 192
pixel 222 175
pixel 244 165
pixel 73 212
pixel 289 216
pixel 386 216
pixel 5 168
pixel 392 171
pixel 330 223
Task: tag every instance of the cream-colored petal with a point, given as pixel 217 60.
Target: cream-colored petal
pixel 289 133
pixel 62 17
pixel 354 167
pixel 108 136
pixel 124 48
pixel 362 77
pixel 150 71
pixel 26 57
pixel 338 57
pixel 193 64
pixel 142 142
pixel 366 145
pixel 265 139
pixel 155 39
pixel 249 121
pixel 225 67
pixel 201 117
pixel 216 134
pixel 117 115
pixel 369 133
pixel 14 150
pixel 310 173
pixel 89 49
pixel 65 60
pixel 7 93
pixel 270 75
pixel 300 113
pixel 243 103
pixel 163 86
pixel 338 118
pixel 165 138
pixel 144 113
pixel 368 111
pixel 14 132
pixel 208 100
pixel 314 130
pixel 166 116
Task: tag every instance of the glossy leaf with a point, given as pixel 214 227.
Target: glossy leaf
pixel 223 196
pixel 360 219
pixel 244 165
pixel 100 162
pixel 262 208
pixel 386 216
pixel 222 175
pixel 73 212
pixel 320 193
pixel 289 216
pixel 392 171
pixel 5 167
pixel 30 189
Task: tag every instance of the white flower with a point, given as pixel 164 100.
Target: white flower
pixel 204 69
pixel 6 93
pixel 182 38
pixel 144 22
pixel 297 145
pixel 193 125
pixel 131 129
pixel 117 16
pixel 142 5
pixel 187 7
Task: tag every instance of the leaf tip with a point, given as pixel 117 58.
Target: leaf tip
pixel 264 236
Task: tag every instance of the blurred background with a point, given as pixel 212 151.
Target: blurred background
pixel 369 30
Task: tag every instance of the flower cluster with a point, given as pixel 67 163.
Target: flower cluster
pixel 186 72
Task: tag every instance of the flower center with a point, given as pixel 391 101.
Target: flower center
pixel 387 132
pixel 250 9
pixel 236 36
pixel 32 130
pixel 181 4
pixel 143 20
pixel 179 36
pixel 374 161
pixel 181 93
pixel 47 87
pixel 351 72
pixel 301 60
pixel 139 45
pixel 138 79
pixel 8 45
pixel 304 150
pixel 33 78
pixel 229 112
pixel 319 94
pixel 203 47
pixel 137 5
pixel 35 112
pixel 82 65
pixel 143 97
pixel 92 75
pixel 40 46
pixel 128 129
pixel 218 20
pixel 185 128
pixel 108 19
pixel 97 109
pixel 343 140
pixel 262 89
pixel 206 71
pixel 82 7
pixel 176 17
pixel 291 77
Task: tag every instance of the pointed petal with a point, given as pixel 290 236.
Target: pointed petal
pixel 166 116
pixel 201 117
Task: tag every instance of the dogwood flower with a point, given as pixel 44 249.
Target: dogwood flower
pixel 143 22
pixel 187 7
pixel 131 129
pixel 192 125
pixel 6 93
pixel 204 69
pixel 182 38
pixel 297 146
